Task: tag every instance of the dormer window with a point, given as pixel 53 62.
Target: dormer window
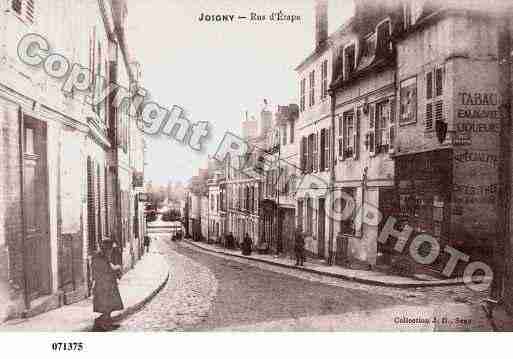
pixel 349 59
pixel 383 31
pixel 369 45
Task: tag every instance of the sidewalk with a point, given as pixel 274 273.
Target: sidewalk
pixel 137 287
pixel 362 276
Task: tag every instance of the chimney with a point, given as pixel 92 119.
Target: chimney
pixel 321 22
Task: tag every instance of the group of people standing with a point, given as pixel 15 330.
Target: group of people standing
pixel 247 245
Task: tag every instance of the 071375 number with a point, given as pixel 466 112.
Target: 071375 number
pixel 71 347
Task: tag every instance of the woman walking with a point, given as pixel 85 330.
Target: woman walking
pixel 106 296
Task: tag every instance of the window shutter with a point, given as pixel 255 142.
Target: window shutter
pixel 356 141
pixel 91 205
pixel 371 134
pixel 429 116
pixel 392 123
pixel 340 137
pixel 439 110
pixel 302 154
pixel 439 78
pixel 99 201
pixel 322 152
pixel 372 125
pixel 372 115
pixel 326 149
pixel 372 145
pixel 329 144
pixel 315 153
pixel 429 85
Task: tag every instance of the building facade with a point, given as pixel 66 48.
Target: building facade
pixel 57 193
pixel 314 143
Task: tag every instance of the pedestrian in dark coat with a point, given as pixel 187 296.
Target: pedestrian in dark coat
pixel 230 241
pixel 299 247
pixel 106 296
pixel 247 243
pixel 147 241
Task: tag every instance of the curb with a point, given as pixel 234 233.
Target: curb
pixel 416 284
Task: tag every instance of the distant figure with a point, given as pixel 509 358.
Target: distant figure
pixel 299 247
pixel 230 241
pixel 106 297
pixel 247 243
pixel 147 241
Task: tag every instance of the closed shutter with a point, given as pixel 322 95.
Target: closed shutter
pixel 315 153
pixel 439 110
pixel 303 154
pixel 429 116
pixel 107 201
pixel 392 123
pixel 99 203
pixel 356 134
pixel 330 143
pixel 371 134
pixel 310 152
pixel 429 85
pixel 322 151
pixel 91 205
pixel 340 138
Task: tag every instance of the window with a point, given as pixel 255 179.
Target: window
pixel 302 95
pixel 292 125
pixel 309 216
pixel 300 214
pixel 348 132
pixel 349 60
pixel 347 225
pixel 324 75
pixel 408 100
pixel 312 88
pixel 434 100
pixel 383 37
pixel 381 125
pixel 369 45
pixel 284 135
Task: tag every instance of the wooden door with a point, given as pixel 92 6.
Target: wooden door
pixel 35 209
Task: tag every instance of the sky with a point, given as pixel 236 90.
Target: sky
pixel 217 71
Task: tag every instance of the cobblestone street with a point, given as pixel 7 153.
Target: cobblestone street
pixel 207 291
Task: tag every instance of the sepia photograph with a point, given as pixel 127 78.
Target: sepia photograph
pixel 271 167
